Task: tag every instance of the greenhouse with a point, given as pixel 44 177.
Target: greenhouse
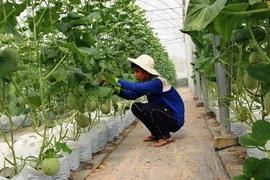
pixel 82 82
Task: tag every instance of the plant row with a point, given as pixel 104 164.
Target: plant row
pixel 53 54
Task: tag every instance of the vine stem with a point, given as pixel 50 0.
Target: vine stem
pixel 40 83
pixel 11 143
pixel 55 67
pixel 245 12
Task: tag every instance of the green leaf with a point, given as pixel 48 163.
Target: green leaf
pixel 34 100
pixel 59 73
pixel 14 109
pixel 248 141
pixel 63 27
pixel 75 76
pixel 72 82
pixel 95 15
pixel 54 88
pixel 241 177
pixel 73 15
pixel 240 35
pixel 91 51
pixel 257 168
pixel 89 39
pixel 226 23
pixel 63 146
pixel 5 66
pixel 259 136
pixel 260 72
pixel 79 75
pixel 15 33
pixel 259 6
pixel 253 1
pixel 49 153
pixel 110 79
pixel 75 1
pixel 200 13
pixel 200 63
pixel 96 68
pixel 97 91
pixel 78 22
pixel 72 47
pixel 19 8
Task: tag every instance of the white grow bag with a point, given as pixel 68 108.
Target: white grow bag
pixel 85 146
pixel 64 171
pixel 90 142
pixel 74 157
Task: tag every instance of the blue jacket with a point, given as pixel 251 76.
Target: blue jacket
pixel 158 91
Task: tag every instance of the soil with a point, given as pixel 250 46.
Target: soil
pixel 191 157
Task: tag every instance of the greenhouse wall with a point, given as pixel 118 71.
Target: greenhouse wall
pixel 189 59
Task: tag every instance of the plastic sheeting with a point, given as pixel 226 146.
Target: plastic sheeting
pixel 85 147
pixel 36 175
pixel 28 145
pixel 102 134
pixel 74 157
pixel 64 171
pixel 16 121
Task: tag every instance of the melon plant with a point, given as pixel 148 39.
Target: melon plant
pixel 249 82
pixel 12 55
pixel 50 166
pixel 266 102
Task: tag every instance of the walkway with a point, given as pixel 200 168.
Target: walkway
pixel 191 157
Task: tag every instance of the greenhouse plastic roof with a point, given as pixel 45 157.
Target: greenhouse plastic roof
pixel 166 17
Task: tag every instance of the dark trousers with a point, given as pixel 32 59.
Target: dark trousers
pixel 158 120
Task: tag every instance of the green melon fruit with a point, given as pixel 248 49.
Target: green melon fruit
pixel 91 106
pixel 11 90
pixel 50 166
pixel 72 101
pixel 266 102
pixel 105 109
pixel 21 101
pixel 237 89
pixel 83 121
pixel 253 58
pixel 12 55
pixel 250 82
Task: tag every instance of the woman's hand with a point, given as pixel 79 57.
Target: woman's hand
pixel 101 82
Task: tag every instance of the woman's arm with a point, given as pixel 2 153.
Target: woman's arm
pixel 130 95
pixel 153 86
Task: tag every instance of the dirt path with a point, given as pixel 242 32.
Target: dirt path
pixel 191 157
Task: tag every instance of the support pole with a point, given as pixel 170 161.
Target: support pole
pixel 205 93
pixel 198 86
pixel 222 86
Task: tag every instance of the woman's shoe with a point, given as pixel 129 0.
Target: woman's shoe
pixel 162 142
pixel 150 138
